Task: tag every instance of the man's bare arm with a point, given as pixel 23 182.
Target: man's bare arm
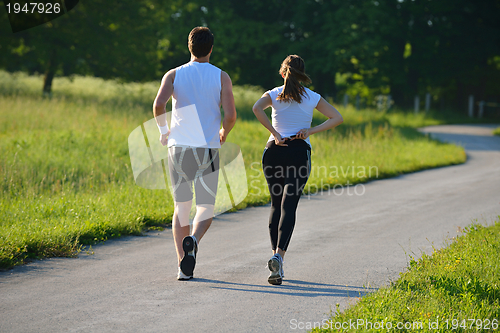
pixel 164 93
pixel 227 101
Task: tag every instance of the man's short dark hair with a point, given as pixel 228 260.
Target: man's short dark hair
pixel 200 41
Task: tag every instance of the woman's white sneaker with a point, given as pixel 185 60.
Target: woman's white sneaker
pixel 275 265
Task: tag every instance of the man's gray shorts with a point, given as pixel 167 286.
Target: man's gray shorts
pixel 194 166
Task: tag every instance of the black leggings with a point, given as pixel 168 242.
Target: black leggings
pixel 286 170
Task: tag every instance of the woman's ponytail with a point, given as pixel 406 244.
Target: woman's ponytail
pixel 293 71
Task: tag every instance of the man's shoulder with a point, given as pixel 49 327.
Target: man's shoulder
pixel 186 65
pixel 193 64
pixel 212 65
pixel 215 68
pixel 169 76
pixel 181 66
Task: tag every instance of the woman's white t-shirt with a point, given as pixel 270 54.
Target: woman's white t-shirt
pixel 290 117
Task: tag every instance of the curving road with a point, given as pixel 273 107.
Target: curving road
pixel 343 246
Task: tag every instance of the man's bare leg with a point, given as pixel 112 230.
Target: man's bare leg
pixel 202 220
pixel 180 226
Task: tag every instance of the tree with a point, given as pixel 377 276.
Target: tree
pixel 408 47
pixel 88 40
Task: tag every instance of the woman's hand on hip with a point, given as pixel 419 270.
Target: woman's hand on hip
pixel 278 140
pixel 303 133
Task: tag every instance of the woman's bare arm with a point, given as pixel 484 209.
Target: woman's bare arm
pixel 334 119
pixel 258 109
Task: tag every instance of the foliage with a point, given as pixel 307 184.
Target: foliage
pixel 456 289
pixel 87 40
pixel 447 48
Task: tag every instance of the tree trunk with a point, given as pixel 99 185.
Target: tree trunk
pixel 49 74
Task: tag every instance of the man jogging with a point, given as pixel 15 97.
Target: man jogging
pixel 198 90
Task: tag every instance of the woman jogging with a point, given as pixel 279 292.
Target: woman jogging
pixel 287 157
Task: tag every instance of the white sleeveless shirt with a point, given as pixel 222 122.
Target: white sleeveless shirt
pixel 290 117
pixel 196 102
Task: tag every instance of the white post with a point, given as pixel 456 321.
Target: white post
pixel 380 103
pixel 481 109
pixel 346 100
pixel 417 103
pixel 389 101
pixel 471 106
pixel 427 102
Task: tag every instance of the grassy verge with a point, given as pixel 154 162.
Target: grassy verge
pixel 66 179
pixel 497 131
pixel 456 289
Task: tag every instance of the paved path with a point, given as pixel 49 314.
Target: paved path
pixel 343 247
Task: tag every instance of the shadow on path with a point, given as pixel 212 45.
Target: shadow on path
pixel 292 288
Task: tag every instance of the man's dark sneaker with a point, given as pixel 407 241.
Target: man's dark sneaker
pixel 182 277
pixel 189 260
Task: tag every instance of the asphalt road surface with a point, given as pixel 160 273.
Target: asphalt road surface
pixel 344 246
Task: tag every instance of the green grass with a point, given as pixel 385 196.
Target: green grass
pixel 451 290
pixel 66 178
pixel 497 131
